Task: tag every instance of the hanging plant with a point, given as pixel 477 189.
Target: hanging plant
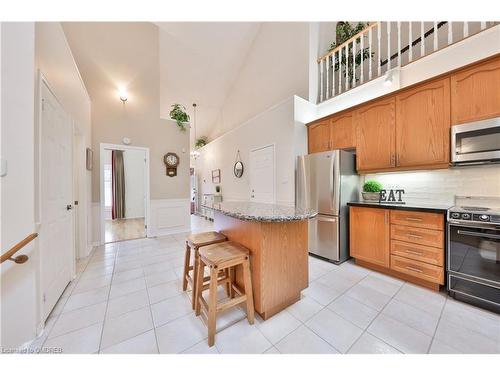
pixel 344 32
pixel 200 142
pixel 178 114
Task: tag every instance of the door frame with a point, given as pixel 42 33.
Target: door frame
pixel 41 81
pixel 273 145
pixel 147 203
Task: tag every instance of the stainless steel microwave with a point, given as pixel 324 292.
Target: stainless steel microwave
pixel 476 142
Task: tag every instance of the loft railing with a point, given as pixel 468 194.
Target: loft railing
pixel 382 46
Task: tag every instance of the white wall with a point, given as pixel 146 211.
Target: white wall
pixel 276 125
pixel 133 161
pixel 275 68
pixel 18 282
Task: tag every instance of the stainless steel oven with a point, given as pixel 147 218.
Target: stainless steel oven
pixel 473 263
pixel 476 142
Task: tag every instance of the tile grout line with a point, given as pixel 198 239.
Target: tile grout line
pixel 152 318
pixel 437 325
pixel 64 304
pixel 375 318
pixel 107 301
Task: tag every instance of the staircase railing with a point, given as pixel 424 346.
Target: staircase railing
pixel 382 46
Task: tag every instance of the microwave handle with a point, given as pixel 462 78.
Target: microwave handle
pixel 474 234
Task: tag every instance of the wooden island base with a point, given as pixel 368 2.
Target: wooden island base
pixel 278 260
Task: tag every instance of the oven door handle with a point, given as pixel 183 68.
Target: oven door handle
pixel 475 234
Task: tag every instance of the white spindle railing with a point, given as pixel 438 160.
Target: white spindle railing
pixel 340 71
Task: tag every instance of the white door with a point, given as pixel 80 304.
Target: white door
pixel 56 228
pixel 262 175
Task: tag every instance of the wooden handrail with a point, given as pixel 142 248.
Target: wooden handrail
pixel 14 249
pixel 349 41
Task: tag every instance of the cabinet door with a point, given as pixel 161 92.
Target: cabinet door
pixel 423 125
pixel 475 93
pixel 318 136
pixel 375 130
pixel 342 132
pixel 369 235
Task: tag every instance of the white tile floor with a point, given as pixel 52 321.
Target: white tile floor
pixel 127 298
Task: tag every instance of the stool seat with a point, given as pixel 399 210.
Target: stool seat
pixel 205 238
pixel 216 254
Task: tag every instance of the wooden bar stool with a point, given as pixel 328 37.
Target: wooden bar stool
pixel 193 242
pixel 224 256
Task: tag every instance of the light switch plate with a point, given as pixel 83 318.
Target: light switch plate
pixel 3 167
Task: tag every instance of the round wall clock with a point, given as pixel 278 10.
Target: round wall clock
pixel 171 161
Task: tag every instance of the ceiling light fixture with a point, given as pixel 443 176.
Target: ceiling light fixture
pixel 195 153
pixel 122 92
pixel 388 78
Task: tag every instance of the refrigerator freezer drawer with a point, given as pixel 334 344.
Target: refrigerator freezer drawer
pixel 324 237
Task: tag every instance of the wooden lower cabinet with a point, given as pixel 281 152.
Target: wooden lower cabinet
pixel 413 252
pixel 369 235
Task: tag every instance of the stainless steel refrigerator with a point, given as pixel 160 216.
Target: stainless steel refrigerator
pixel 325 182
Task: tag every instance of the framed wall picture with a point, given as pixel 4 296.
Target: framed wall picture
pixel 89 160
pixel 216 176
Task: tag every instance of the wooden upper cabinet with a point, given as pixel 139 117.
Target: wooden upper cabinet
pixel 318 136
pixel 342 132
pixel 475 93
pixel 375 131
pixel 423 125
pixel 370 235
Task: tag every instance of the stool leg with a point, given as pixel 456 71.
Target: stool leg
pixel 212 306
pixel 232 278
pixel 227 285
pixel 248 291
pixel 187 258
pixel 199 285
pixel 194 301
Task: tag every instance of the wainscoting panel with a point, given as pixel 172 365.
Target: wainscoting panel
pixel 169 216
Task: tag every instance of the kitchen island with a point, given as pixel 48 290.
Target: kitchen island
pixel 277 237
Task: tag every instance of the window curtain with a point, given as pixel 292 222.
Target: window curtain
pixel 118 184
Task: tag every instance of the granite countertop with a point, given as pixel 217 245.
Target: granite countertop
pixel 252 211
pixel 408 206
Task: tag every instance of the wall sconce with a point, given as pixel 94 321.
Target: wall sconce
pixel 122 92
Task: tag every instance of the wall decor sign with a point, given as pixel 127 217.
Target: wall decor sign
pixel 89 159
pixel 171 161
pixel 391 196
pixel 216 176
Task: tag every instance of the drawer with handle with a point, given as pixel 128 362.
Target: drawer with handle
pixel 419 236
pixel 426 220
pixel 426 254
pixel 424 271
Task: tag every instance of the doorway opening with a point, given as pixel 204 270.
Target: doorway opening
pixel 124 192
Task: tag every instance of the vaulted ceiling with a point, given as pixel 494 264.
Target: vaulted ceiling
pixel 198 61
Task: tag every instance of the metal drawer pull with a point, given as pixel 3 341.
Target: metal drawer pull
pixel 409 268
pixel 414 219
pixel 474 234
pixel 413 235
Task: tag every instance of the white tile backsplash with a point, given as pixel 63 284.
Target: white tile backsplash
pixel 441 186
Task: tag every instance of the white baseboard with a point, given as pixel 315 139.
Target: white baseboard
pixel 169 216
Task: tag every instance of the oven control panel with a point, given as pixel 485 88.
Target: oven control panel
pixel 481 218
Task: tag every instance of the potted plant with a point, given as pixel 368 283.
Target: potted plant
pixel 371 190
pixel 200 142
pixel 179 115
